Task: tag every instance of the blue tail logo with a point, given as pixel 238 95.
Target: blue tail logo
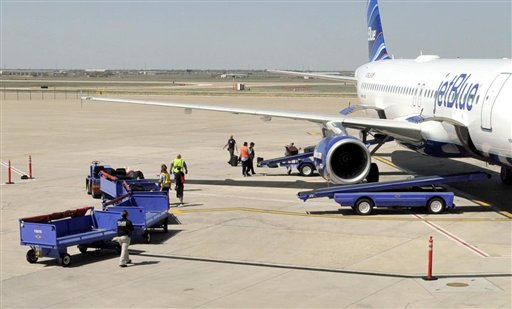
pixel 376 46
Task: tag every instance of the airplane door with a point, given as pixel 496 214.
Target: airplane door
pixel 490 98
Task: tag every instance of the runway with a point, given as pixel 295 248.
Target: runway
pixel 243 242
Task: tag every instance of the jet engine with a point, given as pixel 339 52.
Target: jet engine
pixel 342 159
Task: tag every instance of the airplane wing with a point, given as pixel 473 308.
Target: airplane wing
pixel 399 129
pixel 317 75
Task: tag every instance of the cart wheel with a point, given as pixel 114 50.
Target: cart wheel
pixel 306 169
pixel 147 237
pixel 31 256
pixel 436 205
pixel 65 260
pixel 364 206
pixel 82 249
pixel 166 223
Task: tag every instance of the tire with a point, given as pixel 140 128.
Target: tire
pixel 65 260
pixel 82 250
pixel 364 206
pixel 88 187
pixel 436 205
pixel 506 176
pixel 373 175
pixel 31 256
pixel 307 169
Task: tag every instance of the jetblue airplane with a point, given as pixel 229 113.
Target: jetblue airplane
pixel 439 107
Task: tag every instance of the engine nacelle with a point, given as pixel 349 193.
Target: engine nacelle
pixel 342 159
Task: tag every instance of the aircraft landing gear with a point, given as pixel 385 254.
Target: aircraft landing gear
pixel 506 175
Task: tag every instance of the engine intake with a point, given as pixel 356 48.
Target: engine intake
pixel 342 159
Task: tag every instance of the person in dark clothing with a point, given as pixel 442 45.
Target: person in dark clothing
pixel 252 155
pixel 124 232
pixel 231 145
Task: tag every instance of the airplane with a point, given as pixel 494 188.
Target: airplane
pixel 439 107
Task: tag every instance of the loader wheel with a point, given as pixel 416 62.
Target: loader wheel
pixel 364 206
pixel 31 256
pixel 436 205
pixel 65 260
pixel 306 169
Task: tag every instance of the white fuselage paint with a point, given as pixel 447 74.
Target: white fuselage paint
pixel 476 94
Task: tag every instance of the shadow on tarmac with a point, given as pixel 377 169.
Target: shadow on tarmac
pixel 347 211
pixel 318 269
pixel 491 191
pixel 297 184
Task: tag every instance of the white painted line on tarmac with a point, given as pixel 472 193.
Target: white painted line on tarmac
pixel 14 169
pixel 454 238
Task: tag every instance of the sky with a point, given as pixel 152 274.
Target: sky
pixel 324 35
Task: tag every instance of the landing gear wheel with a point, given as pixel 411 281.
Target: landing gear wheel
pixel 364 206
pixel 65 260
pixel 436 205
pixel 306 169
pixel 31 256
pixel 506 175
pixel 373 175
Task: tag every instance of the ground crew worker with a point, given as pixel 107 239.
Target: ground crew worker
pixel 231 145
pixel 165 179
pixel 244 157
pixel 124 232
pixel 179 169
pixel 252 154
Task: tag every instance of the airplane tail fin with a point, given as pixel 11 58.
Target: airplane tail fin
pixel 376 46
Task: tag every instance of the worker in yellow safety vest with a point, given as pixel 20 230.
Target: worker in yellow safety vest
pixel 179 169
pixel 165 179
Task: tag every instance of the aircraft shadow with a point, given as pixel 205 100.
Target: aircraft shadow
pixel 491 191
pixel 297 184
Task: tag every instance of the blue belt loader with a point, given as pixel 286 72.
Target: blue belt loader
pixel 416 192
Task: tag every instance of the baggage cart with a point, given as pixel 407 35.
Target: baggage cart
pixel 50 235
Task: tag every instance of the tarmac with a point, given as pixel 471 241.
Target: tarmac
pixel 242 242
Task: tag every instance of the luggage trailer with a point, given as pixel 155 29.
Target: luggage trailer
pixel 146 209
pixel 415 192
pixel 50 235
pixel 303 162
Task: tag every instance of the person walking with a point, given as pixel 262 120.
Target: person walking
pixel 231 145
pixel 179 169
pixel 244 157
pixel 124 232
pixel 252 155
pixel 165 179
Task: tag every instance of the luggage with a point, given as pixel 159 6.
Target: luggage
pixel 233 161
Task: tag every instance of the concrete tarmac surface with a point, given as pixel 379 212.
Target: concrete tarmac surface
pixel 242 242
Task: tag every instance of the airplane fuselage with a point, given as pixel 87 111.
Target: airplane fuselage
pixel 471 101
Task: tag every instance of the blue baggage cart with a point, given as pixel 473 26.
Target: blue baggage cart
pixel 50 235
pixel 146 210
